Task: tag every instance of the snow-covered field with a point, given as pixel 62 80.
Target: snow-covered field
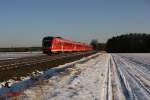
pixel 133 75
pixel 14 55
pixel 106 77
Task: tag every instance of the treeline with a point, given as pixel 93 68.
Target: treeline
pixel 97 45
pixel 20 49
pixel 132 43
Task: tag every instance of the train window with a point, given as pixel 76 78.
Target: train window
pixel 47 43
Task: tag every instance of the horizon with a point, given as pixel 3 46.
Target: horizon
pixel 25 23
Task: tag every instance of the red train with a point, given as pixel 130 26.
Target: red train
pixel 58 44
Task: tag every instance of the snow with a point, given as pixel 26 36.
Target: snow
pixel 14 55
pixel 133 71
pixel 105 77
pixel 31 80
pixel 84 82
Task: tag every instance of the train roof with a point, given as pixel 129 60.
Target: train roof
pixel 49 37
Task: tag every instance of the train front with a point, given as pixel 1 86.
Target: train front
pixel 47 45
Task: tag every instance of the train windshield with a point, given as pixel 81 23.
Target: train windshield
pixel 47 42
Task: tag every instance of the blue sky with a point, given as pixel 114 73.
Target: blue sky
pixel 26 22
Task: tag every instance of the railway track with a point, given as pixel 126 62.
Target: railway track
pixel 15 63
pixel 17 68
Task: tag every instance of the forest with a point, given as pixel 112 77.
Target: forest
pixel 129 43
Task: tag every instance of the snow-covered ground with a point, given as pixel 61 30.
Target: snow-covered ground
pixel 14 55
pixel 81 82
pixel 133 72
pixel 106 77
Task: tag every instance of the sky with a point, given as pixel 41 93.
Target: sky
pixel 26 22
